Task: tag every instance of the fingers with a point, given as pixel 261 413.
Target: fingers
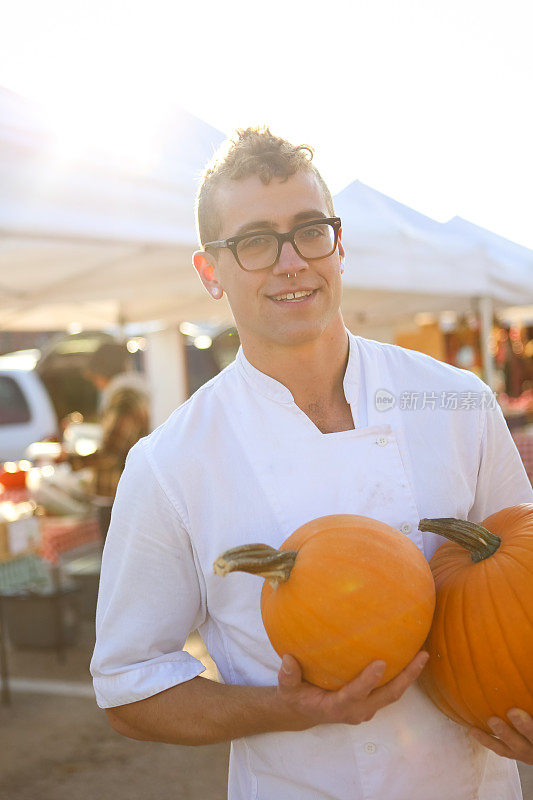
pixel 491 742
pixel 361 686
pixel 290 674
pixel 355 702
pixel 290 677
pixel 393 690
pixel 523 722
pixel 512 741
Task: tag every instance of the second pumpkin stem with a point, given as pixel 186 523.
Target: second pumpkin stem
pixel 478 540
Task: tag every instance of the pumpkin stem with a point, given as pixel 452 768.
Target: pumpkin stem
pixel 258 559
pixel 478 540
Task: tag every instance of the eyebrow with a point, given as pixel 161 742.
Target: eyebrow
pixel 263 224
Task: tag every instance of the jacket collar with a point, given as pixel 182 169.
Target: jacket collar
pixel 274 390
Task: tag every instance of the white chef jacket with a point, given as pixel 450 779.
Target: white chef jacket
pixel 240 462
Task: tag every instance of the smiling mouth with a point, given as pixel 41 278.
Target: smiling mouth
pixel 293 297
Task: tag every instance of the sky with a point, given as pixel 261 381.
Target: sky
pixel 428 102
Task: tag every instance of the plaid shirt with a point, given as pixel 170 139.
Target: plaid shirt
pixel 125 419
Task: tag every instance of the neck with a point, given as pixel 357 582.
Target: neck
pixel 313 371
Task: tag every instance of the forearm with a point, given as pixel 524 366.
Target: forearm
pixel 201 711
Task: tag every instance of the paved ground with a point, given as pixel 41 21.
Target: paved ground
pixel 60 747
pixel 57 747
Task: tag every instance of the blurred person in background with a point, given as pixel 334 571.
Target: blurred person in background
pixel 124 415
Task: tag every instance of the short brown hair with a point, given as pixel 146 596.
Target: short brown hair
pixel 255 151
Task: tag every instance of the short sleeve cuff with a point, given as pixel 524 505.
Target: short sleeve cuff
pixel 144 680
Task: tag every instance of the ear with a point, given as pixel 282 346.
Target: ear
pixel 204 265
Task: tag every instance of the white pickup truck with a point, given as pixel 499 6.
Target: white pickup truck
pixel 26 411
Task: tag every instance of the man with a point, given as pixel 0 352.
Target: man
pixel 291 431
pixel 124 416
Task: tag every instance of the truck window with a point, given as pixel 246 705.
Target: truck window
pixel 14 409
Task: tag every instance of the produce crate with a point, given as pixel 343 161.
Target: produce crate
pixel 18 537
pixel 61 535
pixel 25 573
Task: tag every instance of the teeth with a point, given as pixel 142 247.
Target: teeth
pixel 292 295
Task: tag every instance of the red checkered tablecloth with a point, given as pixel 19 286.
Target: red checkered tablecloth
pixel 14 495
pixel 61 534
pixel 524 444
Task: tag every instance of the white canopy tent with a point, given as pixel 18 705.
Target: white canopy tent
pixel 96 242
pixel 510 266
pixel 113 242
pixel 420 264
pixel 510 271
pixel 400 262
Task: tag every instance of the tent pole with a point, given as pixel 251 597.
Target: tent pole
pixel 486 313
pixel 166 372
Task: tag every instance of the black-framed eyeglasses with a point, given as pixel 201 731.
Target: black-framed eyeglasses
pixel 261 249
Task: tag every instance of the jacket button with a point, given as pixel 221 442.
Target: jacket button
pixel 370 747
pixel 405 527
pixel 381 440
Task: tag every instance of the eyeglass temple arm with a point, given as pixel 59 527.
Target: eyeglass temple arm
pixel 221 243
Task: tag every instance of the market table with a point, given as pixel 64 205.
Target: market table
pixel 61 535
pixel 17 574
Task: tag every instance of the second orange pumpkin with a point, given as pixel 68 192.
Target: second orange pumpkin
pixel 481 640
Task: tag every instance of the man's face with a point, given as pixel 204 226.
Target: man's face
pixel 261 319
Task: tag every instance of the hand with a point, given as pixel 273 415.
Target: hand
pixel 512 741
pixel 354 703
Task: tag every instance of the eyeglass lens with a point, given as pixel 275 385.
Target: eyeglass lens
pixel 312 241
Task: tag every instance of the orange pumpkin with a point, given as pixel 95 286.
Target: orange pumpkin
pixel 481 639
pixel 342 591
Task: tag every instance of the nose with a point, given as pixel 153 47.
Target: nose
pixel 289 260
